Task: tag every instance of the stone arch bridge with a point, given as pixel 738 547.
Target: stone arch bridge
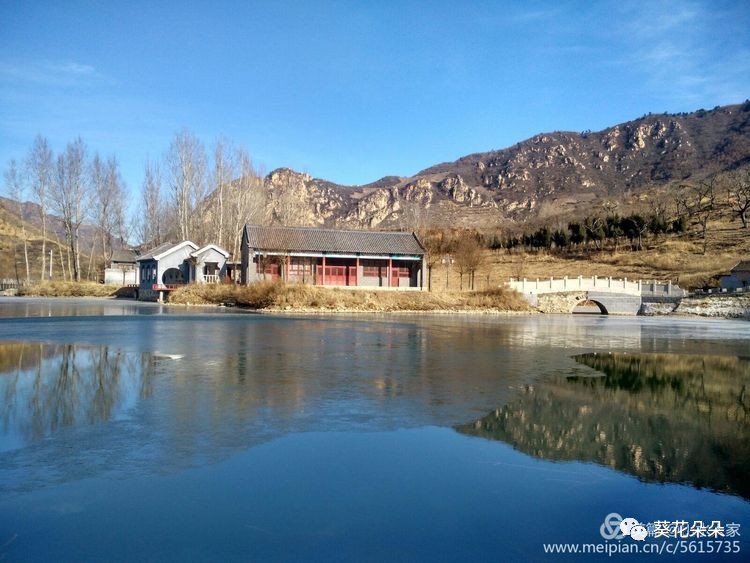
pixel 611 295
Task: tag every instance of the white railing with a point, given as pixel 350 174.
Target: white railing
pixel 721 290
pixel 210 278
pixel 595 283
pixel 10 284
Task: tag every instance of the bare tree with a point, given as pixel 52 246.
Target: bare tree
pixel 65 275
pixel 120 227
pixel 40 168
pixel 102 200
pixel 436 245
pixel 698 202
pixel 595 231
pixel 225 170
pixel 468 255
pixel 186 162
pixel 519 266
pixel 70 198
pixel 246 200
pixel 17 191
pixel 152 208
pixel 108 195
pixel 738 191
pixel 658 220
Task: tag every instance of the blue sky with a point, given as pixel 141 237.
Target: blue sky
pixel 352 91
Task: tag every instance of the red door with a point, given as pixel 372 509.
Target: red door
pixel 271 272
pixel 338 275
pixel 394 277
pixel 334 275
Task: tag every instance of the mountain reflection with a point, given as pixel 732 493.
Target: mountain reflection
pixel 44 388
pixel 661 417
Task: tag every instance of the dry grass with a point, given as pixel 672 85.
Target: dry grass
pixel 280 297
pixel 68 289
pixel 678 259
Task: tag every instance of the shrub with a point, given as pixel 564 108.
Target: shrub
pixel 68 289
pixel 280 296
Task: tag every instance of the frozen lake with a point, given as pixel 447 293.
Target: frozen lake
pixel 142 432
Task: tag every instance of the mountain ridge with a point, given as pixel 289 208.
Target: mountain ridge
pixel 548 175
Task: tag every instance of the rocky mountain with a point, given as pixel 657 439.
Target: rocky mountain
pixel 550 175
pixel 30 214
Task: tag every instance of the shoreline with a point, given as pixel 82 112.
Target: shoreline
pixel 307 311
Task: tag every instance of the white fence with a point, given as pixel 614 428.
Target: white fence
pixel 595 283
pixel 721 290
pixel 10 284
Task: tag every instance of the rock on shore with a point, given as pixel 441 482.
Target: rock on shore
pixel 718 306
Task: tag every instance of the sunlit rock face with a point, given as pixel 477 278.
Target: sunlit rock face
pixel 661 417
pixel 550 175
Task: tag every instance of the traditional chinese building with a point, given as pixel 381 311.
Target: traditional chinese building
pixel 332 257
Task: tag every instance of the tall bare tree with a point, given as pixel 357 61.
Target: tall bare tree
pixel 108 203
pixel 40 169
pixel 102 200
pixel 698 202
pixel 186 163
pixel 153 210
pixel 468 255
pixel 738 191
pixel 17 190
pixel 224 171
pixel 70 198
pixel 247 200
pixel 119 227
pixel 436 245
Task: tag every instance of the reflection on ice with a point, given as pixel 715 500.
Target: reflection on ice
pixel 44 388
pixel 661 417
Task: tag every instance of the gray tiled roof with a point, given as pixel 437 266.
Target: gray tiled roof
pixel 155 251
pixel 305 239
pixel 123 255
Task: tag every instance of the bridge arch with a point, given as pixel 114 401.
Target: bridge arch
pixel 589 306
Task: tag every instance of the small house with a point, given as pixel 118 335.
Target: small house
pixel 122 268
pixel 330 257
pixel 171 265
pixel 738 277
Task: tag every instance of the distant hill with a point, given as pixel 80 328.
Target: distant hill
pixel 550 175
pixel 11 239
pixel 31 216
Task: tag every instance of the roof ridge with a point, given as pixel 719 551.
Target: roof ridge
pixel 332 240
pixel 326 229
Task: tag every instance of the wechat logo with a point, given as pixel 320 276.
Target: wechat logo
pixel 615 527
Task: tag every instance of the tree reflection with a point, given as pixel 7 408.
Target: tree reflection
pixel 661 417
pixel 54 386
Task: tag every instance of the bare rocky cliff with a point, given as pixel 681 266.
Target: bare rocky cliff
pixel 550 175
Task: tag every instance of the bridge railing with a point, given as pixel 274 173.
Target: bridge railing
pixel 595 283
